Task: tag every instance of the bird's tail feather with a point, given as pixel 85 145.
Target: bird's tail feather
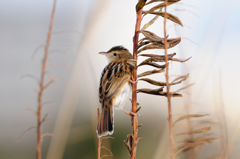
pixel 105 122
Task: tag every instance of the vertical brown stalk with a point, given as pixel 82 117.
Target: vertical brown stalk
pixel 41 85
pixel 134 87
pixel 167 83
pixel 99 139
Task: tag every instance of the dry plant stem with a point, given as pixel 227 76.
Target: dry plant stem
pixel 99 140
pixel 41 85
pixel 134 87
pixel 167 83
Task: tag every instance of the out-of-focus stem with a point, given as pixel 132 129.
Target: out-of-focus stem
pixel 134 87
pixel 167 83
pixel 99 139
pixel 41 85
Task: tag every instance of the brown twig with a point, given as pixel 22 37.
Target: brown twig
pixel 42 84
pixel 167 83
pixel 134 87
pixel 99 139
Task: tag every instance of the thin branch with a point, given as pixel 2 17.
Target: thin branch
pixel 59 64
pixel 31 76
pixel 99 139
pixel 47 134
pixel 36 50
pixel 24 133
pixel 42 84
pixel 134 87
pixel 62 52
pixel 31 110
pixel 167 83
pixel 108 151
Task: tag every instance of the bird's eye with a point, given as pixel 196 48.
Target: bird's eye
pixel 114 54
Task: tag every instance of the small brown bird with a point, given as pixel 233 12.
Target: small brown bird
pixel 114 88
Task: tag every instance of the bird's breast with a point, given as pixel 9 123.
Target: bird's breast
pixel 121 97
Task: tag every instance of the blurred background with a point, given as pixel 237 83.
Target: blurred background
pixel 81 29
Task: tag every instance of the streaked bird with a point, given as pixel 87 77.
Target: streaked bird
pixel 115 85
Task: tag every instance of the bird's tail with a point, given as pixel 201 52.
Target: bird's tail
pixel 105 122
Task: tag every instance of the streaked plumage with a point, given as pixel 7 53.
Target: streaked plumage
pixel 114 86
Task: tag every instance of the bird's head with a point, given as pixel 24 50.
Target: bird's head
pixel 117 53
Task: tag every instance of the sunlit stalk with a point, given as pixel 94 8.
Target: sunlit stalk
pixel 134 87
pixel 99 139
pixel 167 83
pixel 42 84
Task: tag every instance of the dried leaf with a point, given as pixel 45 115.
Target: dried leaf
pixel 158 56
pixel 160 45
pixel 128 143
pixel 195 131
pixel 173 42
pixel 140 5
pixel 161 1
pixel 189 116
pixel 183 151
pixel 139 41
pixel 197 139
pixel 172 94
pixel 155 58
pixel 169 16
pixel 151 36
pixel 156 83
pixel 175 59
pixel 150 73
pixel 185 87
pixel 179 79
pixel 154 65
pixel 151 46
pixel 150 91
pixel 150 23
pixel 193 142
pixel 143 43
pixel 159 6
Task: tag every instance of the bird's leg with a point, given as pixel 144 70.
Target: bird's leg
pixel 128 112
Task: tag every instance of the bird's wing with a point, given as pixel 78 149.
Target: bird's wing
pixel 114 76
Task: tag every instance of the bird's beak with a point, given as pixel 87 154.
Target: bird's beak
pixel 103 53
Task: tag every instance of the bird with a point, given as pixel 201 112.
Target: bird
pixel 115 86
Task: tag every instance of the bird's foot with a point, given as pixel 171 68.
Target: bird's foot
pixel 128 112
pixel 133 82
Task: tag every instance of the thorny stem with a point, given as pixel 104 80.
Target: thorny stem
pixel 134 87
pixel 99 139
pixel 41 85
pixel 167 83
